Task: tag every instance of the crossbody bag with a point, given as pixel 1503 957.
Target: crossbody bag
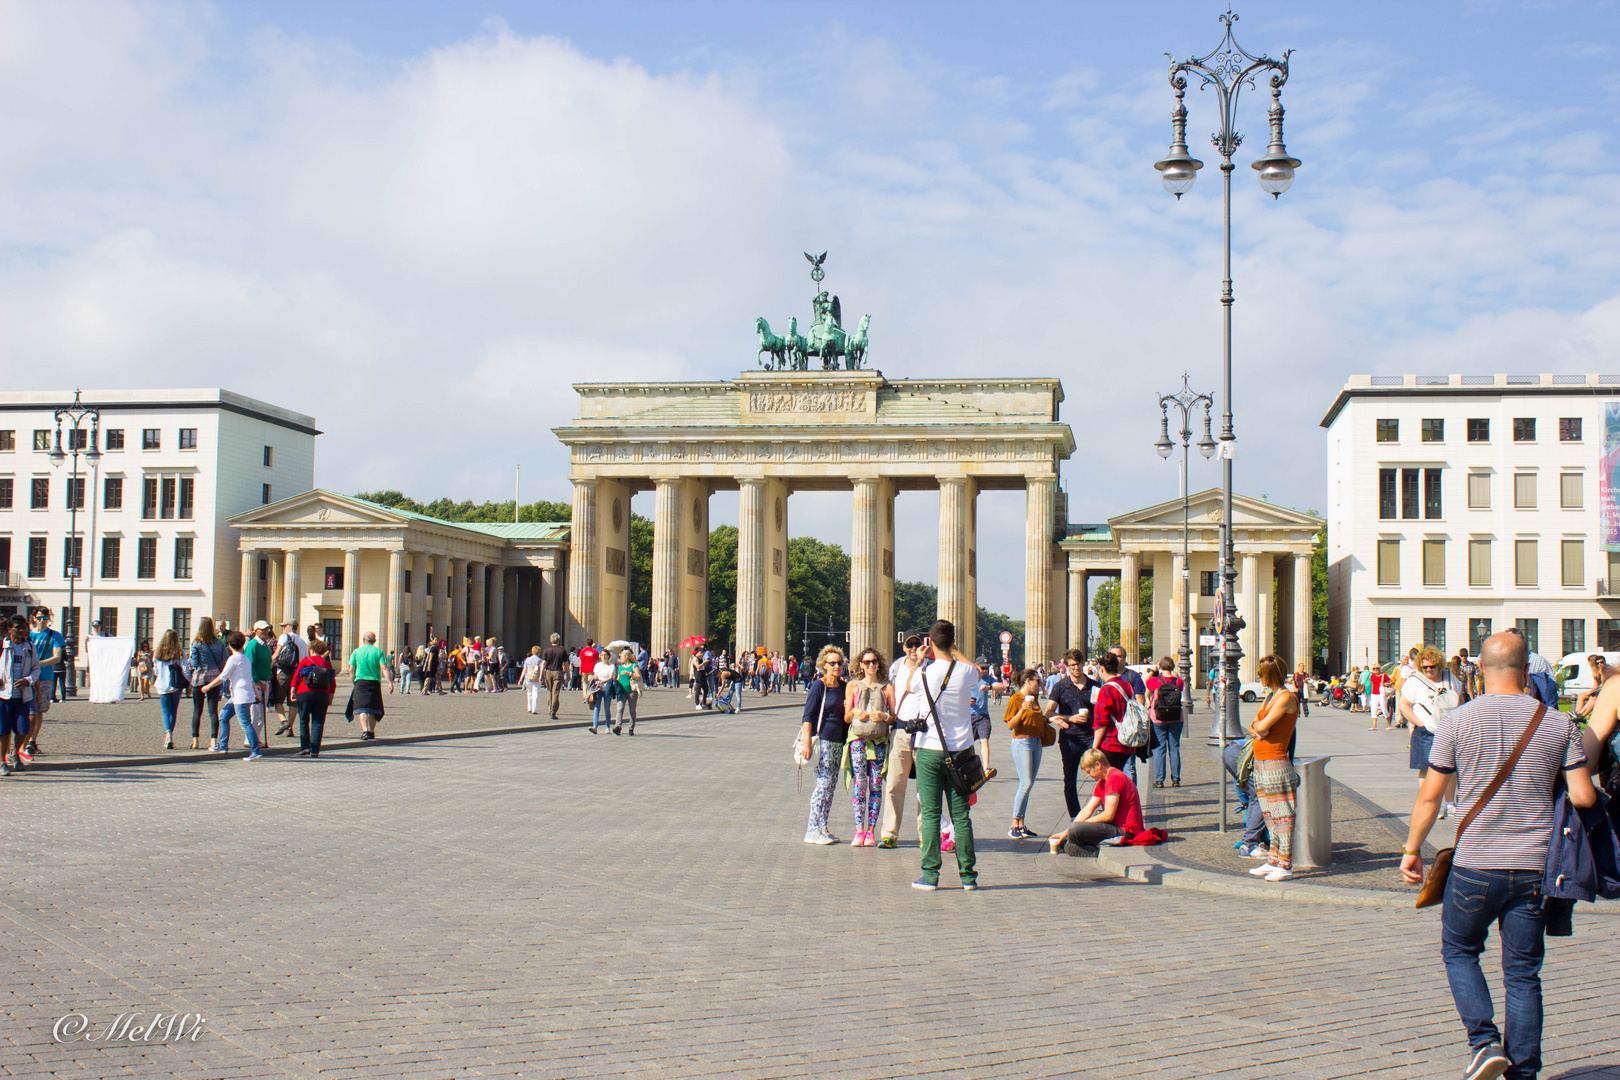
pixel 1434 886
pixel 963 768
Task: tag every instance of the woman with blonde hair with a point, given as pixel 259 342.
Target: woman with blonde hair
pixel 1114 809
pixel 1428 691
pixel 629 690
pixel 821 739
pixel 1275 781
pixel 869 712
pixel 168 682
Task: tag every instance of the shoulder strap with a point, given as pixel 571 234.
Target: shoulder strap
pixel 1502 773
pixel 933 709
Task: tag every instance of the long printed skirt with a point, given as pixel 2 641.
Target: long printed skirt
pixel 1274 785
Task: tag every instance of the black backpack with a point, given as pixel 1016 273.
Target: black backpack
pixel 318 677
pixel 287 658
pixel 1167 703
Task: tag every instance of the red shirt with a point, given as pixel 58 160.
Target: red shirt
pixel 298 684
pixel 587 659
pixel 1128 814
pixel 1152 683
pixel 1107 713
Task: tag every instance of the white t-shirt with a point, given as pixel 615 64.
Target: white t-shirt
pixel 531 669
pixel 1419 694
pixel 239 677
pixel 603 671
pixel 954 703
pixel 913 705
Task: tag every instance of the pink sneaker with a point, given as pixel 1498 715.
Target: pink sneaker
pixel 871 841
pixel 859 840
pixel 949 845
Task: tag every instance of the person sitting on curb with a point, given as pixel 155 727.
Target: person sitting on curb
pixel 1114 809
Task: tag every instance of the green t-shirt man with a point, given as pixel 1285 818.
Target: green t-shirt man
pixel 366 662
pixel 258 654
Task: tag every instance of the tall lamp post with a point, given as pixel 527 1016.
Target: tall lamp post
pixel 1227 70
pixel 1186 401
pixel 76 415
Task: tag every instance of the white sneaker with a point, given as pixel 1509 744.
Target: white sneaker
pixel 1279 874
pixel 1258 852
pixel 1262 870
pixel 815 836
pixel 1447 809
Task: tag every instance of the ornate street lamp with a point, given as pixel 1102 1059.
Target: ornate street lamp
pixel 76 415
pixel 1227 70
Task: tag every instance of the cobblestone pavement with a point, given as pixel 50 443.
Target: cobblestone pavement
pixel 561 905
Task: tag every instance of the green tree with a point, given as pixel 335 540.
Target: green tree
pixel 723 589
pixel 1105 605
pixel 641 544
pixel 1319 599
pixel 818 590
pixel 987 633
pixel 467 510
pixel 916 606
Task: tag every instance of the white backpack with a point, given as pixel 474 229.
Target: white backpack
pixel 1134 729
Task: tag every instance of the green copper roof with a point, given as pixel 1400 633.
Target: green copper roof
pixel 506 530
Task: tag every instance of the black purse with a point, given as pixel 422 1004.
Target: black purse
pixel 962 767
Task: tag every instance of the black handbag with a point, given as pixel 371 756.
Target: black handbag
pixel 963 767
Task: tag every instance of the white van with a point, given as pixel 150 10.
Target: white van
pixel 1576 673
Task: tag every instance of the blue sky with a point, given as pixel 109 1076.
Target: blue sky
pixel 449 212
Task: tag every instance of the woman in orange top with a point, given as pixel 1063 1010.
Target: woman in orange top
pixel 1274 778
pixel 1028 729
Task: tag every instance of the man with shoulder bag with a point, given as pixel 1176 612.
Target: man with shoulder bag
pixel 942 745
pixel 1506 751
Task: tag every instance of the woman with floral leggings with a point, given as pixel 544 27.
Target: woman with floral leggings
pixel 822 739
pixel 869 711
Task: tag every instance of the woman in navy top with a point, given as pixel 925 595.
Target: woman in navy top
pixel 824 726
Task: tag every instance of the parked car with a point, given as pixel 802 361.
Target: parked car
pixel 1251 691
pixel 1574 674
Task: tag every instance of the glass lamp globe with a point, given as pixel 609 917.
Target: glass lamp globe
pixel 1276 173
pixel 1178 173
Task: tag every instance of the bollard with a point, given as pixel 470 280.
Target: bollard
pixel 1313 813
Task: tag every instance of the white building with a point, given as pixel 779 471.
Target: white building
pixel 1461 505
pixel 153 548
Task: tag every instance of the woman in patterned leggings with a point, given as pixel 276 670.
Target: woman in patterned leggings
pixel 869 711
pixel 1274 778
pixel 822 739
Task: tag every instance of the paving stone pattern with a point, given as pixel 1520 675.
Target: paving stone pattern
pixel 563 905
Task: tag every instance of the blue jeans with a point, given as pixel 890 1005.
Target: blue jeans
pixel 1511 899
pixel 1169 746
pixel 1026 755
pixel 169 705
pixel 599 709
pixel 244 716
pixel 1254 820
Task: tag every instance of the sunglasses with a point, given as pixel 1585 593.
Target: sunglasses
pixel 868 660
pixel 1430 667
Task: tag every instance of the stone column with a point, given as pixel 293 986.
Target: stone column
pixel 418 565
pixel 495 622
pixel 396 595
pixel 479 598
pixel 1129 617
pixel 1077 609
pixel 1039 523
pixel 666 567
pixel 248 606
pixel 458 601
pixel 1265 602
pixel 351 604
pixel 543 594
pixel 954 496
pixel 292 603
pixel 511 604
pixel 1302 612
pixel 441 603
pixel 1173 637
pixel 866 570
pixel 750 563
pixel 275 597
pixel 1248 601
pixel 582 565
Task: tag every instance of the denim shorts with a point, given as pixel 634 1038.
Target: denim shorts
pixel 13 716
pixel 1422 742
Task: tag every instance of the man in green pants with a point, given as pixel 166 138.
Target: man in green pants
pixel 949 680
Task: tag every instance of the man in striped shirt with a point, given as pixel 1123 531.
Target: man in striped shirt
pixel 1497 867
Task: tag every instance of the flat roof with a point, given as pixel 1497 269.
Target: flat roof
pixel 162 399
pixel 1590 384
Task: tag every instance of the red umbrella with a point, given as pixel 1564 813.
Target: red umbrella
pixel 693 641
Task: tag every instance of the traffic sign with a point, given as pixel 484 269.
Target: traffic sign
pixel 1006 637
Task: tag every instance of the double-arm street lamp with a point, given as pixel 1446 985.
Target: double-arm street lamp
pixel 1187 402
pixel 76 415
pixel 1227 70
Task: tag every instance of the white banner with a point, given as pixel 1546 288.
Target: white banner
pixel 109 659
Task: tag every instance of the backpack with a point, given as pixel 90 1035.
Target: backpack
pixel 287 658
pixel 318 677
pixel 1134 729
pixel 1167 703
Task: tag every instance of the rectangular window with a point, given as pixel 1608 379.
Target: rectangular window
pixel 115 441
pixel 1524 491
pixel 146 557
pixel 111 549
pixel 1479 491
pixel 1389 431
pixel 188 438
pixel 5 493
pixel 1479 562
pixel 183 546
pixel 268 457
pixel 1431 494
pixel 1608 635
pixel 1479 431
pixel 1389 562
pixel 1434 431
pixel 334 578
pixel 42 439
pixel 1524 429
pixel 1569 429
pixel 75 492
pixel 1478 631
pixel 8 439
pixel 1524 563
pixel 1574 635
pixel 264 496
pixel 1389 641
pixel 40 493
pixel 112 493
pixel 72 556
pixel 143 625
pixel 182 625
pixel 1573 558
pixel 1386 494
pixel 1409 493
pixel 188 490
pixel 1434 562
pixel 1531 629
pixel 5 559
pixel 1614 575
pixel 166 505
pixel 1434 633
pixel 108 618
pixel 264 569
pixel 149 492
pixel 78 438
pixel 1569 491
pixel 149 438
pixel 36 556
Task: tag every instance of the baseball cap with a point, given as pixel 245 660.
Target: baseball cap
pixel 261 625
pixel 982 661
pixel 913 641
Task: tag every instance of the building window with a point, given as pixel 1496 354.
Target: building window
pixel 1569 429
pixel 1574 635
pixel 36 556
pixel 5 560
pixel 1389 562
pixel 108 618
pixel 1608 635
pixel 1478 631
pixel 1569 491
pixel 78 438
pixel 188 438
pixel 264 569
pixel 149 492
pixel 143 626
pixel 42 439
pixel 1479 431
pixel 1434 634
pixel 149 438
pixel 1479 562
pixel 1573 558
pixel 1434 562
pixel 183 546
pixel 1524 563
pixel 75 492
pixel 1389 431
pixel 115 441
pixel 1479 491
pixel 1524 429
pixel 166 504
pixel 1524 491
pixel 112 493
pixel 334 578
pixel 269 456
pixel 1386 494
pixel 264 496
pixel 188 490
pixel 41 493
pixel 1434 431
pixel 111 549
pixel 72 556
pixel 1409 493
pixel 1531 629
pixel 146 557
pixel 8 439
pixel 5 493
pixel 181 622
pixel 1614 574
pixel 1389 641
pixel 1431 494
